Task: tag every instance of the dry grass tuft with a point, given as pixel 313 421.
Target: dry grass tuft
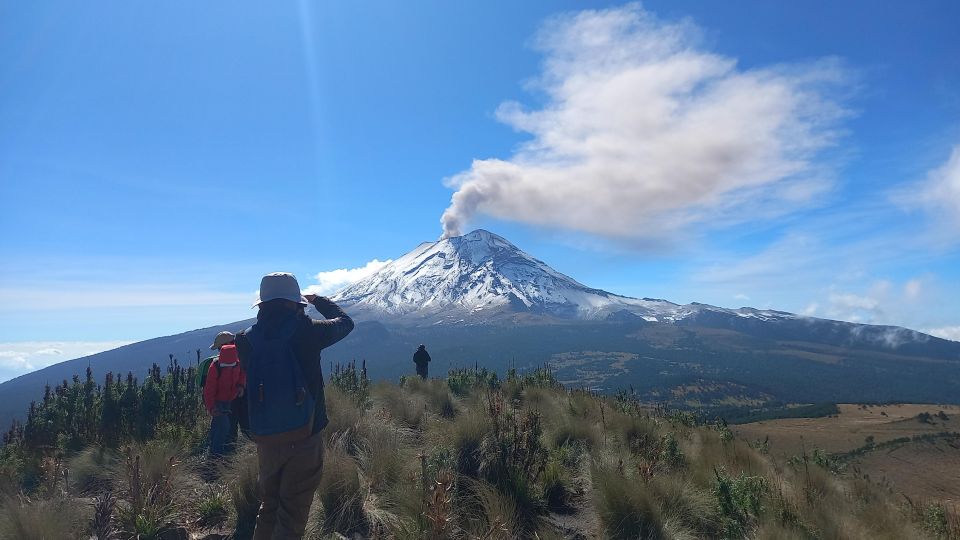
pixel 44 519
pixel 340 491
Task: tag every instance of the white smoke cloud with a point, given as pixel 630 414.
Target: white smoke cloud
pixel 333 280
pixel 646 134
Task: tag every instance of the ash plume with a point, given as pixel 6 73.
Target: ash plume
pixel 646 134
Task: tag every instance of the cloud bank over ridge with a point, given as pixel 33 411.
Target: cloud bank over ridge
pixel 331 281
pixel 645 135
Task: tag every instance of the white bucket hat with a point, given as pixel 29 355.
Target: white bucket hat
pixel 222 339
pixel 280 285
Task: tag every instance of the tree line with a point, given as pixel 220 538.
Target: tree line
pixel 78 413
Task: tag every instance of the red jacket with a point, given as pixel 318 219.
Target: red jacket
pixel 225 378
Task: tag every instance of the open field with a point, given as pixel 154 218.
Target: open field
pixel 850 429
pixel 924 470
pixel 921 470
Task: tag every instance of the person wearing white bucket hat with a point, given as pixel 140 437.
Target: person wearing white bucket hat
pixel 281 357
pixel 280 286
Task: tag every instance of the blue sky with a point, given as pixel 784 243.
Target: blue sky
pixel 156 159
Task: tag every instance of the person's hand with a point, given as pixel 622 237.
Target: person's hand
pixel 240 392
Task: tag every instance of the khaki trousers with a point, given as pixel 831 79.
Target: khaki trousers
pixel 289 476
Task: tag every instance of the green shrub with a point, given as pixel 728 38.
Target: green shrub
pixel 463 381
pixel 513 457
pixel 212 506
pixel 670 453
pixel 155 483
pixel 351 381
pixel 740 501
pixel 935 520
pixel 541 377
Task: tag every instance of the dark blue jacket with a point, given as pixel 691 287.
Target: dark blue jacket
pixel 312 336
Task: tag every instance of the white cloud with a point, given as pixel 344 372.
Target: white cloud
pixel 854 308
pixel 912 289
pixel 90 296
pixel 946 332
pixel 19 357
pixel 940 192
pixel 334 280
pixel 882 302
pixel 646 135
pixel 740 296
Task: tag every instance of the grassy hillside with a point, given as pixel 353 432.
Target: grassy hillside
pixel 469 456
pixel 735 364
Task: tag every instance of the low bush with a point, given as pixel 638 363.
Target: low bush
pixel 740 501
pixel 464 381
pixel 153 487
pixel 212 506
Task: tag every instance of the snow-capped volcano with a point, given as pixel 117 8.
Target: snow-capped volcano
pixel 481 274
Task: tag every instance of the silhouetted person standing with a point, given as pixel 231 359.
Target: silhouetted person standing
pixel 421 358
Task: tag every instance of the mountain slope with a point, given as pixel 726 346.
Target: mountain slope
pixel 480 299
pixel 480 275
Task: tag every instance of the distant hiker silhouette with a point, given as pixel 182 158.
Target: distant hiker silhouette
pixel 222 382
pixel 421 358
pixel 281 356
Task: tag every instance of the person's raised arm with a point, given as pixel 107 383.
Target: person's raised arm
pixel 336 326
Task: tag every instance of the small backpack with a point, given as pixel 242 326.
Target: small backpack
pixel 203 369
pixel 280 405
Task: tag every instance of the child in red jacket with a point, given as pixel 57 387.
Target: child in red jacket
pixel 225 382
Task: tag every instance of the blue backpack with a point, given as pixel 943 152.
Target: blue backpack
pixel 280 404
